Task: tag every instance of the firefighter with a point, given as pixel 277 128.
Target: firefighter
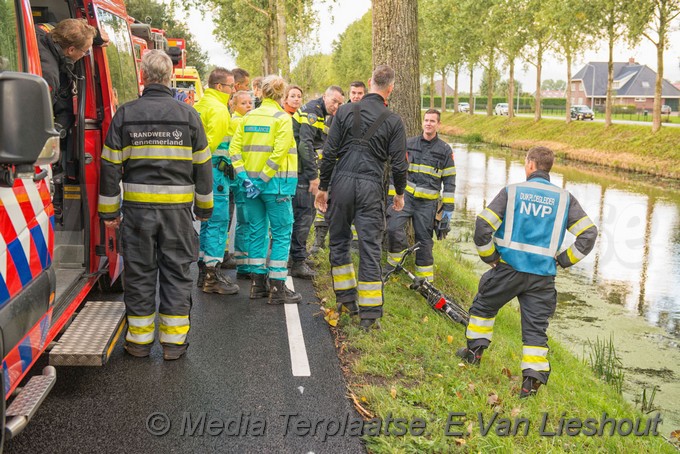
pixel 303 202
pixel 317 117
pixel 519 234
pixel 431 166
pixel 265 161
pixel 364 136
pixel 214 111
pixel 60 47
pixel 243 104
pixel 158 147
pixel 357 90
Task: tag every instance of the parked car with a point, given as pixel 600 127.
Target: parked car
pixel 666 109
pixel 581 112
pixel 464 107
pixel 501 108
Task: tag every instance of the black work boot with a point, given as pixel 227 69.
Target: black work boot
pixel 351 307
pixel 529 388
pixel 216 282
pixel 242 276
pixel 174 352
pixel 302 270
pixel 319 240
pixel 280 294
pixel 259 288
pixel 368 324
pixel 201 274
pixel 137 350
pixel 228 262
pixel 471 355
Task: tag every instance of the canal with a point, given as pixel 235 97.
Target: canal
pixel 627 288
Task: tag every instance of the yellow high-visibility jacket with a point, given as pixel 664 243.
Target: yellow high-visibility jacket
pixel 214 111
pixel 264 147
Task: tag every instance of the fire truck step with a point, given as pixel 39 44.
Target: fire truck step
pixel 92 335
pixel 28 400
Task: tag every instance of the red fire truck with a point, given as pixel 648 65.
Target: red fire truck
pixel 53 246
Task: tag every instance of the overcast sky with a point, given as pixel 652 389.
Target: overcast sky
pixel 337 16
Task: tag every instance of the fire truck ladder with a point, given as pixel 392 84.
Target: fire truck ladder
pixel 90 339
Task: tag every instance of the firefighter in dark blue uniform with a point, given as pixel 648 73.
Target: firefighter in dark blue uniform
pixel 317 116
pixel 431 166
pixel 364 136
pixel 519 234
pixel 158 148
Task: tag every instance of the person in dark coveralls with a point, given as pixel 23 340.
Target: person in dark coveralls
pixel 519 234
pixel 317 116
pixel 364 136
pixel 431 167
pixel 158 147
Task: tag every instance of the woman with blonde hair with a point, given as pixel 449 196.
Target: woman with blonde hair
pixel 264 156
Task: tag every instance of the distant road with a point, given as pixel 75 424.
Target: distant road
pixel 601 120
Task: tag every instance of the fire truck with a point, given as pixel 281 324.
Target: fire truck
pixel 184 78
pixel 144 38
pixel 53 246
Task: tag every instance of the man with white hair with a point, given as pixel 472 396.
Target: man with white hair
pixel 158 148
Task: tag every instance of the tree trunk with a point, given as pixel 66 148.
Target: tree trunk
pixel 471 99
pixel 395 43
pixel 568 100
pixel 539 66
pixel 610 82
pixel 432 90
pixel 443 90
pixel 511 88
pixel 656 114
pixel 489 87
pixel 282 38
pixel 456 71
pixel 272 40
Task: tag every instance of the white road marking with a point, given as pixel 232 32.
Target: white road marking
pixel 296 341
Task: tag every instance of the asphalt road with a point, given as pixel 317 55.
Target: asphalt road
pixel 601 120
pixel 236 390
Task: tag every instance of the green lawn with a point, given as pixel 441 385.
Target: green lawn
pixel 408 369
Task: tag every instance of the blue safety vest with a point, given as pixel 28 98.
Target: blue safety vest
pixel 533 226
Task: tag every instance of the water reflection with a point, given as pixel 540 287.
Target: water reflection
pixel 636 260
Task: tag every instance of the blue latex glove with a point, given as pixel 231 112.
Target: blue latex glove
pixel 446 216
pixel 251 190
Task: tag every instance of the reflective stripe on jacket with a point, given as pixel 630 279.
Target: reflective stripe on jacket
pixel 264 147
pixel 431 165
pixel 157 147
pixel 524 226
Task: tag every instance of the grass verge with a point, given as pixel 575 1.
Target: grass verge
pixel 622 146
pixel 408 369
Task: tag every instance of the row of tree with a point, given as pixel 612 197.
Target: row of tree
pixel 458 34
pixel 453 36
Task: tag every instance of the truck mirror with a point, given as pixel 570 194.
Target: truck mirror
pixel 27 134
pixel 175 54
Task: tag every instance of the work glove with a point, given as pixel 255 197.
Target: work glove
pixel 251 190
pixel 446 216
